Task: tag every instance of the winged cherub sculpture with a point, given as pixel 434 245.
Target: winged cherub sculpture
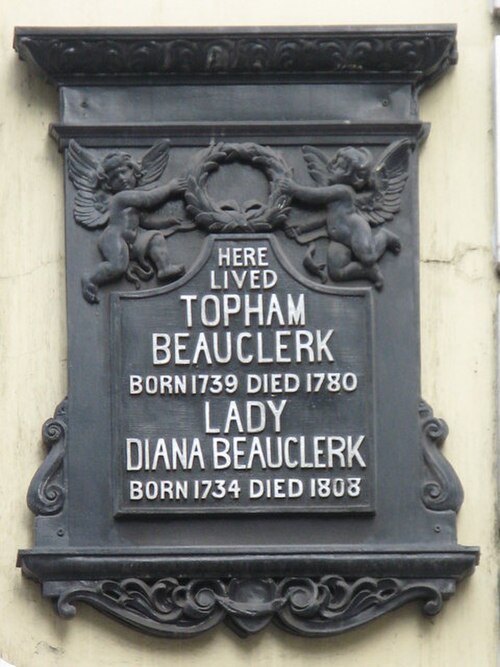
pixel 360 195
pixel 117 193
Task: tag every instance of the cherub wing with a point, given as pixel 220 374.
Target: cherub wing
pixel 91 203
pixel 154 162
pixel 387 182
pixel 317 164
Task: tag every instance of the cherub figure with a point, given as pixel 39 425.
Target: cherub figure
pixel 359 196
pixel 113 193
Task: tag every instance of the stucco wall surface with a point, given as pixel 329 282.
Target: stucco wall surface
pixel 458 302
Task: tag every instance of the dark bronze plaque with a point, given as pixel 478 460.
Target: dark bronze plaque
pixel 243 437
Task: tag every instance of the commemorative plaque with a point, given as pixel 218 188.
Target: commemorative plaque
pixel 243 437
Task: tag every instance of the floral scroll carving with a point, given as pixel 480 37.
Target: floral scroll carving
pixel 308 606
pixel 47 491
pixel 444 490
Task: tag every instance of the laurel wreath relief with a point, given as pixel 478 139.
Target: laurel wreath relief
pixel 252 215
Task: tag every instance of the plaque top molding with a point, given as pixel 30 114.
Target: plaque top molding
pixel 89 56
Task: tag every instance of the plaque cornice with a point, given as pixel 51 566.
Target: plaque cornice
pixel 89 56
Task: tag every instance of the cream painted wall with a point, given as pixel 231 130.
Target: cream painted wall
pixel 458 338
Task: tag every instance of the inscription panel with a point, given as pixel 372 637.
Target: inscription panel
pixel 243 388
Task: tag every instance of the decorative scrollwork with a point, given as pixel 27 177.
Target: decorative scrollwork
pixel 444 491
pixel 252 216
pixel 332 605
pixel 308 606
pixel 46 493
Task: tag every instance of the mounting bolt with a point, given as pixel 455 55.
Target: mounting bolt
pixel 437 529
pixel 385 102
pixel 60 532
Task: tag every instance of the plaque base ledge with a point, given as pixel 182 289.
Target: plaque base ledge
pixel 52 564
pixel 312 595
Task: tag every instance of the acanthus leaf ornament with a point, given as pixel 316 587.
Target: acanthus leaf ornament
pixel 79 56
